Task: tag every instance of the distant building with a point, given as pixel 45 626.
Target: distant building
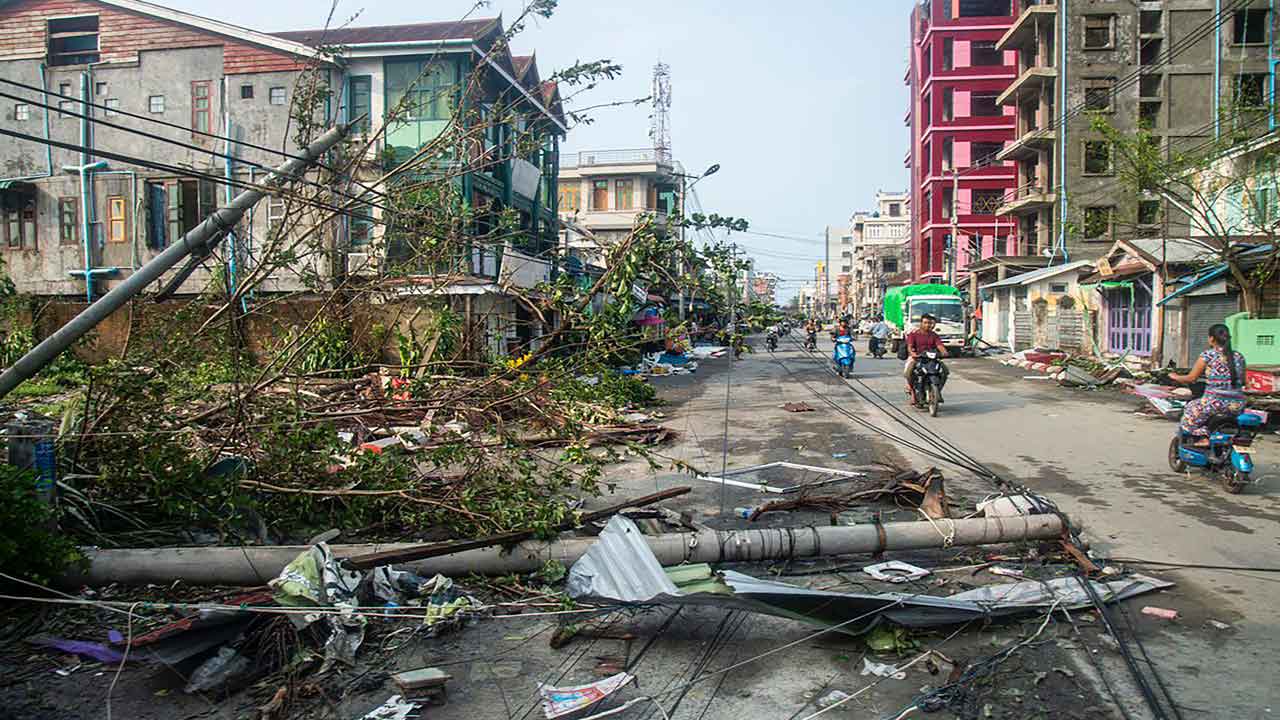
pixel 607 191
pixel 809 303
pixel 958 126
pixel 839 268
pixel 880 251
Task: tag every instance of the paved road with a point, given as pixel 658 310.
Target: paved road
pixel 1106 467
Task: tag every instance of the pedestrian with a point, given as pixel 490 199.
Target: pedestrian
pixel 1224 371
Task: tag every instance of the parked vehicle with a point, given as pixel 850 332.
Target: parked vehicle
pixel 1229 454
pixel 842 356
pixel 927 381
pixel 903 307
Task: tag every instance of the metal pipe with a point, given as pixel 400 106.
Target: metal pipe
pixel 227 172
pixel 257 565
pixel 1063 36
pixel 207 233
pixel 1217 69
pixel 85 204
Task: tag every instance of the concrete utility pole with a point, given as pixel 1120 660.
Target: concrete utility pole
pixel 201 239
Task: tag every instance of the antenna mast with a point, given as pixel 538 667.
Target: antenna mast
pixel 660 129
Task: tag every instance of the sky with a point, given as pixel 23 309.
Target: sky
pixel 800 103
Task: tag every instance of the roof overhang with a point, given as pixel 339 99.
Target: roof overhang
pixel 488 59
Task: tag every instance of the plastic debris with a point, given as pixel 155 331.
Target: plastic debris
pixel 395 708
pixel 217 671
pixel 1218 624
pixel 1011 506
pixel 1163 613
pixel 835 697
pixel 884 670
pixel 558 702
pixel 797 407
pixel 895 571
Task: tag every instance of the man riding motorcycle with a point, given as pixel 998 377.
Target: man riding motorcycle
pixel 921 340
pixel 810 334
pixel 880 333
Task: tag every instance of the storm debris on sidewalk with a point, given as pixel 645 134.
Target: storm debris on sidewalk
pixel 895 571
pixel 797 407
pixel 561 701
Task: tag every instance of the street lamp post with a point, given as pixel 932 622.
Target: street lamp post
pixel 715 168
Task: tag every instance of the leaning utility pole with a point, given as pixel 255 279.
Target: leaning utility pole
pixel 200 240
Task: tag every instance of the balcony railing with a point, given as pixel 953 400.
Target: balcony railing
pixel 589 158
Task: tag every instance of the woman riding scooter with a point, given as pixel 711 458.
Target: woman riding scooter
pixel 1223 369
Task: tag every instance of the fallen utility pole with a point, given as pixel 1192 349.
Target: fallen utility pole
pixel 422 552
pixel 256 565
pixel 199 241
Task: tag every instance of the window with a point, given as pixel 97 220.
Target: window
pixel 1249 27
pixel 360 101
pixel 68 221
pixel 1097 223
pixel 275 215
pixel 175 207
pixel 986 202
pixel 73 40
pixel 895 209
pixel 948 103
pixel 984 54
pixel 1148 212
pixel 100 89
pixel 1097 95
pixel 600 195
pixel 846 268
pixel 64 88
pixel 622 194
pixel 1097 157
pixel 984 153
pixel 1251 90
pixel 1058 288
pixel 117 221
pixel 948 54
pixel 361 226
pixel 1149 22
pixel 276 96
pixel 420 95
pixel 948 203
pixel 20 224
pixel 200 107
pixel 1097 32
pixel 22 112
pixel 571 198
pixel 985 105
pixel 889 265
pixel 246 92
pixel 948 154
pixel 111 105
pixel 155 104
pixel 66 108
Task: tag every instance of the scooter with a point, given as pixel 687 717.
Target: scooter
pixel 771 341
pixel 842 356
pixel 927 381
pixel 876 347
pixel 1229 454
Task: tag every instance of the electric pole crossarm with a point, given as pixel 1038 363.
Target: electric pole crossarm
pixel 201 238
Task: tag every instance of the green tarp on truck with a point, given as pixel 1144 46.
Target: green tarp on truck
pixel 895 299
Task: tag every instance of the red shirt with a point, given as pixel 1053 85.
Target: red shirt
pixel 919 341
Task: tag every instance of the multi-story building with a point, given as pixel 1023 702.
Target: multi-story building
pixel 839 269
pixel 880 250
pixel 216 99
pixel 956 75
pixel 607 191
pixel 1186 72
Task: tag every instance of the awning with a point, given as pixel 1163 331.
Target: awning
pixel 21 186
pixel 1200 280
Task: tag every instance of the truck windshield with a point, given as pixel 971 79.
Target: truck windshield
pixel 941 309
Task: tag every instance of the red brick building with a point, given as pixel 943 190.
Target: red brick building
pixel 957 127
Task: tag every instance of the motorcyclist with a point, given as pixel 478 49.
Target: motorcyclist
pixel 811 333
pixel 880 333
pixel 922 340
pixel 1224 372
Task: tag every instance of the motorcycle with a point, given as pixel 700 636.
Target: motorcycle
pixel 811 341
pixel 842 356
pixel 876 347
pixel 771 341
pixel 1229 454
pixel 927 381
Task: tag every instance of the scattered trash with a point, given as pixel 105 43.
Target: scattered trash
pixel 744 512
pixel 839 456
pixel 1005 572
pixel 1012 506
pixel 82 648
pixel 895 571
pixel 835 697
pixel 797 407
pixel 219 670
pixel 1162 613
pixel 870 667
pixel 558 702
pixel 395 708
pixel 886 638
pixel 1219 625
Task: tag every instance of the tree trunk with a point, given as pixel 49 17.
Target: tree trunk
pixel 1249 291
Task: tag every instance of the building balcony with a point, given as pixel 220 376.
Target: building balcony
pixel 1027 201
pixel 1027 146
pixel 1023 29
pixel 1032 80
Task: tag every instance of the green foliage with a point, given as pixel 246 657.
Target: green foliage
pixel 31 547
pixel 326 345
